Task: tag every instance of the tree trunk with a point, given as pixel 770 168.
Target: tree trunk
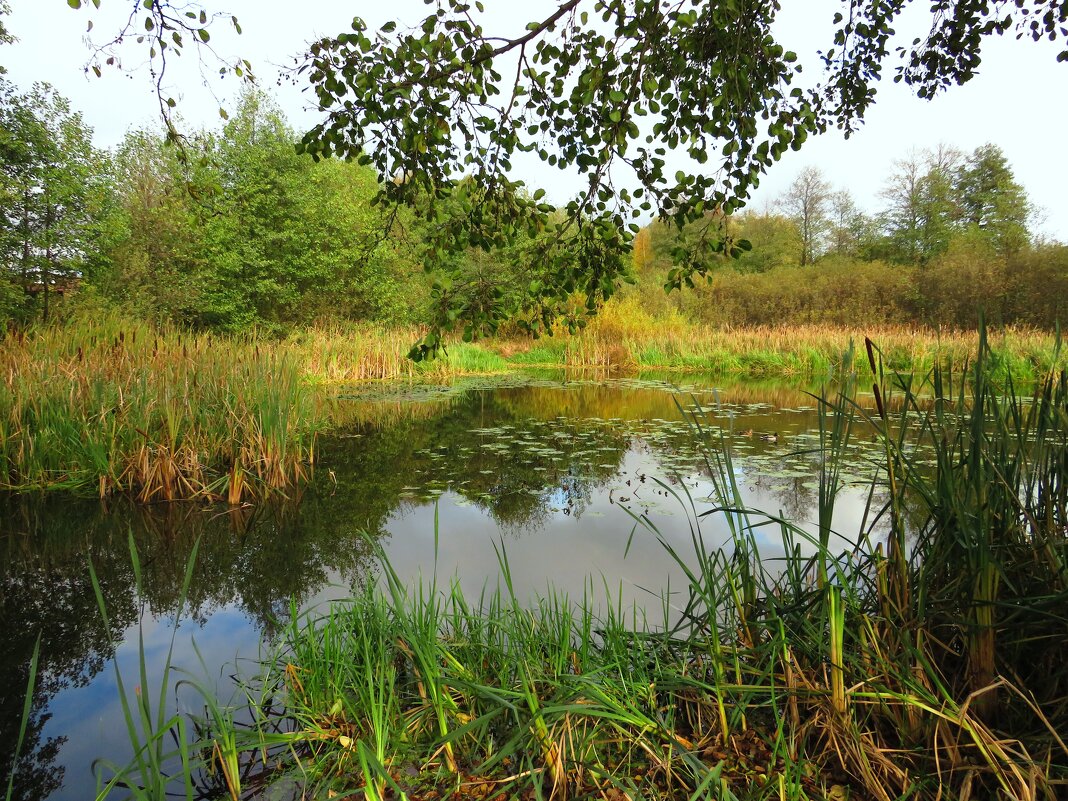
pixel 46 271
pixel 26 242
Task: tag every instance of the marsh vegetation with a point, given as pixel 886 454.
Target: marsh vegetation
pixel 897 633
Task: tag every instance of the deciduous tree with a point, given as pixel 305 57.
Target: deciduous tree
pixel 807 202
pixel 921 212
pixel 605 88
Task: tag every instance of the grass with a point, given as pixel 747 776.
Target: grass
pixel 623 336
pixel 27 710
pixel 110 407
pixel 107 406
pixel 926 661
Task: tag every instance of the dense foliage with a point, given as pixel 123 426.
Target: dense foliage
pixel 602 87
pixel 953 238
pixel 246 234
pixel 608 88
pixel 239 231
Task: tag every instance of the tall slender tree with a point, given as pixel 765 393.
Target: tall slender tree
pixel 807 203
pixel 49 174
pixel 849 228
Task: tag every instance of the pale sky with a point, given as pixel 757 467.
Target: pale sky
pixel 1018 102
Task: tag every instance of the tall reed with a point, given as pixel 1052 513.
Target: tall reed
pixel 924 661
pixel 813 351
pixel 109 407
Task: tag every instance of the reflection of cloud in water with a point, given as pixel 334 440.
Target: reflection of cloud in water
pixel 542 471
pixel 566 550
pixel 91 716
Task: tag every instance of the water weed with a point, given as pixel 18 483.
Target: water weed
pixel 923 661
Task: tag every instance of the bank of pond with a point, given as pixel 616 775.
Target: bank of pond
pixel 542 585
pixel 112 407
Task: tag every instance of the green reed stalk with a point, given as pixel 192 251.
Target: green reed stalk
pixel 27 710
pixel 148 725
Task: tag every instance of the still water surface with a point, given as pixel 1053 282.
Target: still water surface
pixel 551 473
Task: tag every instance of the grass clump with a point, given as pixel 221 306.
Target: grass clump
pixel 110 407
pixel 924 661
pixel 625 336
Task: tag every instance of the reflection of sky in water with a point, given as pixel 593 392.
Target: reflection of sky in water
pixel 566 551
pixel 555 509
pixel 91 717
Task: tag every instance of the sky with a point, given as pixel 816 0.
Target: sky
pixel 1019 101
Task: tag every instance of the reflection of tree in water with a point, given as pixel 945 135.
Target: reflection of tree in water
pixel 45 591
pixel 481 449
pixel 522 487
pixel 793 500
pixel 524 512
pixel 37 775
pixel 546 452
pixel 257 563
pixel 575 495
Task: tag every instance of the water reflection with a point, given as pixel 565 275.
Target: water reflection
pixel 553 473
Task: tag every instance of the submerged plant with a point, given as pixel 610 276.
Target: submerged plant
pixel 919 657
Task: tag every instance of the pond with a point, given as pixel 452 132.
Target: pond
pixel 576 483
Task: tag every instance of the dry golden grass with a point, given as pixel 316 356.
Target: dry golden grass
pixel 624 336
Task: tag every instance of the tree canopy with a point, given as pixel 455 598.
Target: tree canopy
pixel 606 88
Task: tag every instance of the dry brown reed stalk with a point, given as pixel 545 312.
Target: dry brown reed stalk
pixel 109 406
pixel 355 353
pixel 625 336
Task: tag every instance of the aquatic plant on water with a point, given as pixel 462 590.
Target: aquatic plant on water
pixel 925 661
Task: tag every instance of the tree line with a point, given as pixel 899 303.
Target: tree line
pixel 239 230
pixel 601 83
pixel 232 230
pixel 954 236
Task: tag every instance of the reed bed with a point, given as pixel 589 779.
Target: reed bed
pixel 109 407
pixel 358 353
pixel 344 355
pixel 925 661
pixel 788 351
pixel 624 336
